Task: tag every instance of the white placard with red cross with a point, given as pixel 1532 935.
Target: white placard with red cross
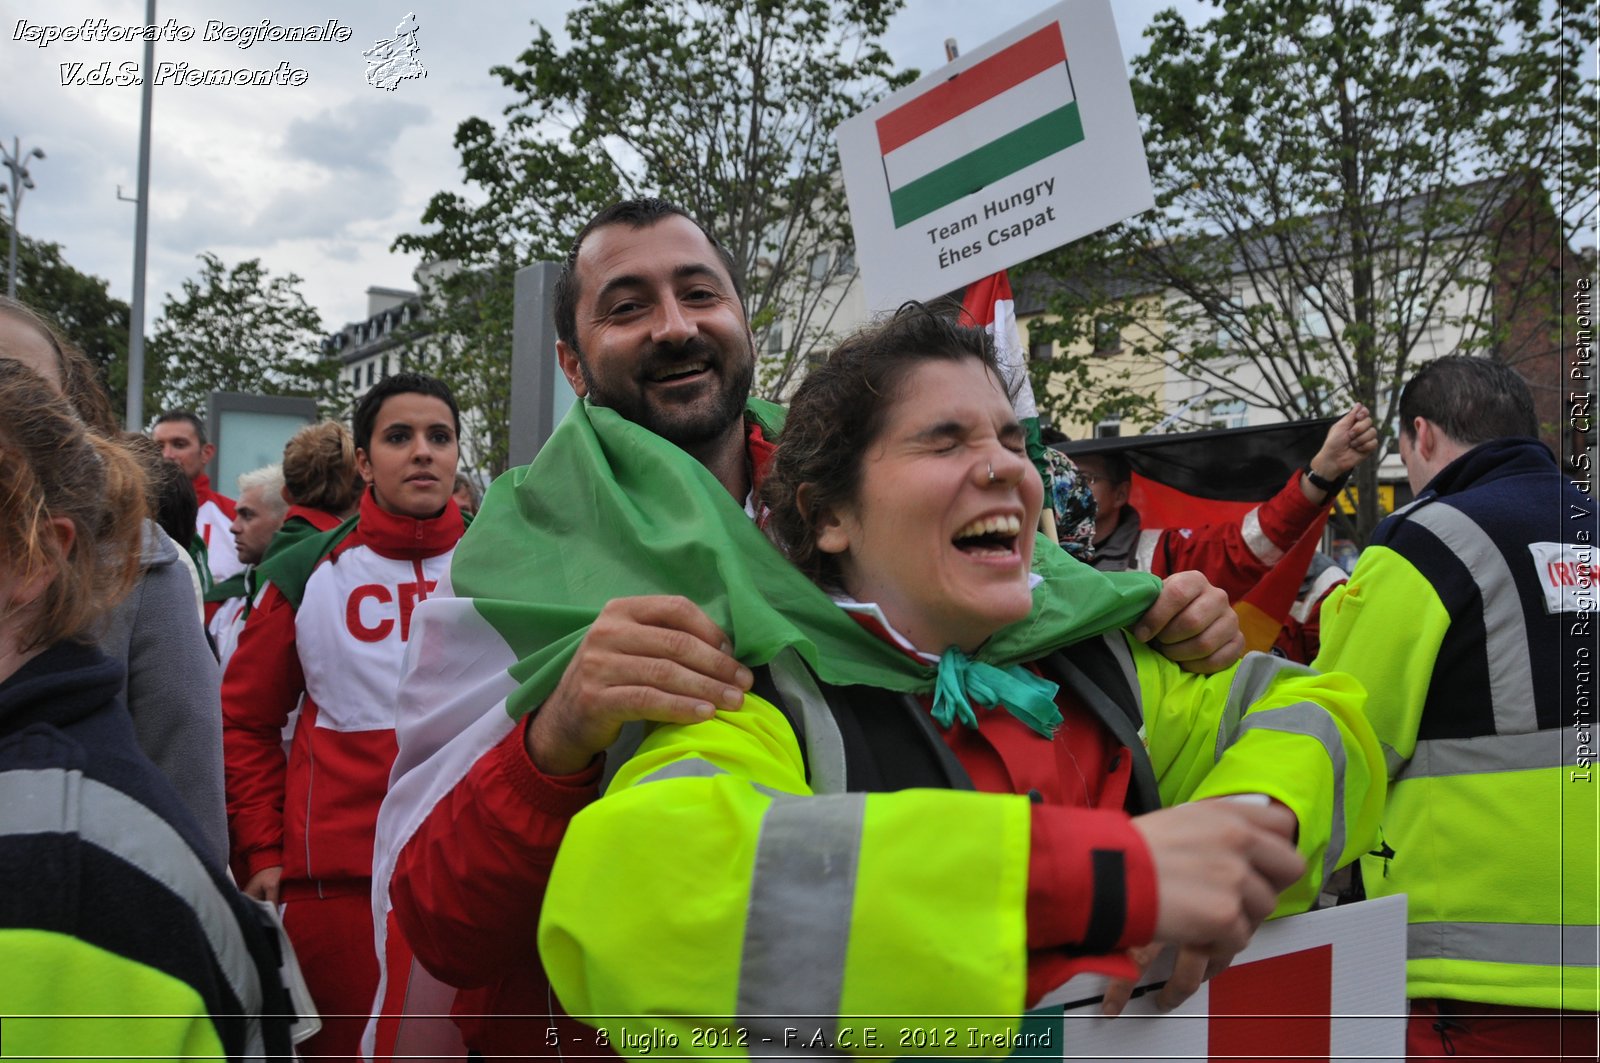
pixel 1323 986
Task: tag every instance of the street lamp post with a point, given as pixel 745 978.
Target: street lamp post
pixel 17 162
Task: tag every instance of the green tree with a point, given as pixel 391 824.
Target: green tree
pixel 1340 184
pixel 81 304
pixel 240 329
pixel 725 106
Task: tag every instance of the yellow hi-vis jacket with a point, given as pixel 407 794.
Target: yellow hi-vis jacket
pixel 1474 636
pixel 717 891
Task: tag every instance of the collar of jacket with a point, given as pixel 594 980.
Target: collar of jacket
pixel 1498 459
pixel 60 686
pixel 1115 554
pixel 407 538
pixel 320 519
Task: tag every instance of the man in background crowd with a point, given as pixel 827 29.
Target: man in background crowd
pixel 1468 620
pixel 1233 556
pixel 183 442
pixel 257 517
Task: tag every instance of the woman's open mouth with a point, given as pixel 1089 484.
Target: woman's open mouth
pixel 994 536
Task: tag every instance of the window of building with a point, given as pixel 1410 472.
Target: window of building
pixel 1230 414
pixel 1109 428
pixel 1041 351
pixel 1107 336
pixel 371 366
pixel 819 265
pixel 1313 322
pixel 775 341
pixel 845 261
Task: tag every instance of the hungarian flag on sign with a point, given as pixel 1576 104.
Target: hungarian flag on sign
pixel 1018 106
pixel 988 305
pixel 1191 479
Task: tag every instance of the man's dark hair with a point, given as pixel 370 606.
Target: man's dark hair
pixel 1118 469
pixel 838 412
pixel 637 214
pixel 189 417
pixel 169 494
pixel 366 414
pixel 1472 400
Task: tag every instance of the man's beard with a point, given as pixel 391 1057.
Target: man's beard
pixel 686 426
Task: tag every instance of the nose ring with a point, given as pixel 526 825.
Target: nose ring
pixel 991 472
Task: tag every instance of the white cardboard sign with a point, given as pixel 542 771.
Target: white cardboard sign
pixel 1014 149
pixel 1325 985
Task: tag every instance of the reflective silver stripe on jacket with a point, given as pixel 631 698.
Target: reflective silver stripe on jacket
pixel 1313 720
pixel 1256 673
pixel 58 801
pixel 693 768
pixel 1554 748
pixel 1307 604
pixel 797 930
pixel 1266 551
pixel 1533 944
pixel 1506 642
pixel 797 933
pixel 1144 551
pixel 824 744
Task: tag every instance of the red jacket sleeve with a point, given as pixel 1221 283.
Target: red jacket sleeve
pixel 1091 895
pixel 468 885
pixel 1091 881
pixel 1235 555
pixel 261 687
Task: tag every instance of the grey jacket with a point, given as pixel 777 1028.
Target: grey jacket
pixel 173 688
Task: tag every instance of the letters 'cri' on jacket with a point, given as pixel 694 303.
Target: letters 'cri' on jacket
pixel 767 899
pixel 1478 653
pixel 335 638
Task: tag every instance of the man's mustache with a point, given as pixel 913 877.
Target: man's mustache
pixel 666 356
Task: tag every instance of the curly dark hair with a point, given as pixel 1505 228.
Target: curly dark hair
pixel 838 412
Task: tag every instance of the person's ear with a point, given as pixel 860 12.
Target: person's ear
pixel 571 369
pixel 288 499
pixel 208 452
pixel 829 527
pixel 1426 442
pixel 364 466
pixel 65 534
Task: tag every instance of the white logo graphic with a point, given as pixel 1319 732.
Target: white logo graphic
pixel 395 60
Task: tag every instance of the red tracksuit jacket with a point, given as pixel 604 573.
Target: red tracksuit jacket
pixel 337 657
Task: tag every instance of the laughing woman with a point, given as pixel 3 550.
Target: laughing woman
pixel 327 637
pixel 842 851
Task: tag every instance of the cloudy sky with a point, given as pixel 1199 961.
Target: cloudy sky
pixel 316 179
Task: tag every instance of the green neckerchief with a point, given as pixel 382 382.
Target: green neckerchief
pixel 962 683
pixel 609 509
